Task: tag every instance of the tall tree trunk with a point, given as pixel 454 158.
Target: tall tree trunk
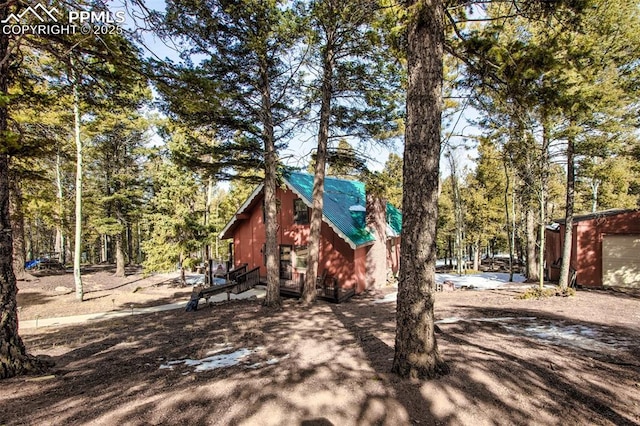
pixel 416 349
pixel 513 238
pixel 104 248
pixel 544 180
pixel 376 258
pixel 272 298
pixel 138 244
pixel 28 243
pixel 476 254
pixel 207 218
pixel 129 235
pixel 14 359
pixel 510 228
pixel 309 291
pixel 532 241
pixel 17 226
pixel 542 237
pixel 595 185
pixel 78 237
pixel 565 267
pixel 458 214
pixel 120 260
pixel 60 225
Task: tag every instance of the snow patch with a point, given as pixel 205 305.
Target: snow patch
pixel 482 281
pixel 216 359
pixel 557 333
pixel 212 362
pixel 574 335
pixel 454 320
pixel 194 279
pixel 271 361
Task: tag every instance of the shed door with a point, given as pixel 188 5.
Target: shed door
pixel 621 260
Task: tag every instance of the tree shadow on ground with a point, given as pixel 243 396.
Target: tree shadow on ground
pixel 327 363
pixel 34 298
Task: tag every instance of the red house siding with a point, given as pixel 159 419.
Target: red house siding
pixel 586 255
pixel 336 256
pixel 393 254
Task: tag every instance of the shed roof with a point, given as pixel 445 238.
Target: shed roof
pixel 339 196
pixel 597 215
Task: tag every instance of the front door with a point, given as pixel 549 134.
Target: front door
pixel 286 266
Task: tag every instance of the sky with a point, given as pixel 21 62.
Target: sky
pixel 299 151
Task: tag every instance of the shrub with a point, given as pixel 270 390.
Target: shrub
pixel 190 264
pixel 541 293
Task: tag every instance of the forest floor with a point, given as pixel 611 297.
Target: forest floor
pixel 560 360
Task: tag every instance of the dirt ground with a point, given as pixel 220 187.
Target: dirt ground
pixel 556 361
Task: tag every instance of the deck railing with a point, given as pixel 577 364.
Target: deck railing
pixel 327 288
pixel 247 280
pixel 233 274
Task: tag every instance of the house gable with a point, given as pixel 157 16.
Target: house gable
pixel 339 196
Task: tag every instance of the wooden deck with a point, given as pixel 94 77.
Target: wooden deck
pixel 327 288
pixel 236 281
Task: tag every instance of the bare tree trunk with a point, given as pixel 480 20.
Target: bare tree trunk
pixel 542 237
pixel 57 243
pixel 60 228
pixel 78 237
pixel 416 350
pixel 14 359
pixel 183 274
pixel 595 185
pixel 309 291
pixel 207 218
pixel 510 227
pixel 513 238
pixel 272 298
pixel 129 235
pixel 476 254
pixel 376 258
pixel 120 262
pixel 532 255
pixel 17 225
pixel 104 248
pixel 458 214
pixel 544 180
pixel 568 231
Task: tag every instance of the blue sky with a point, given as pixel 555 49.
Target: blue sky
pixel 299 151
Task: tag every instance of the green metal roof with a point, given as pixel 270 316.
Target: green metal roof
pixel 339 196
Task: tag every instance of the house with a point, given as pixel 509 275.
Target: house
pixel 350 249
pixel 605 249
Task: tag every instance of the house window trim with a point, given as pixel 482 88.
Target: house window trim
pixel 296 211
pixel 302 248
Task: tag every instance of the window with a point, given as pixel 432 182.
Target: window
pixel 300 212
pixel 286 271
pixel 301 256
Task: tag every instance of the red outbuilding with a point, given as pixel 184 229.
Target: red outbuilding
pixel 605 249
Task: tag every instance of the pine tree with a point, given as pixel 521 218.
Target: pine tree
pixel 241 92
pixel 114 144
pixel 173 215
pixel 416 352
